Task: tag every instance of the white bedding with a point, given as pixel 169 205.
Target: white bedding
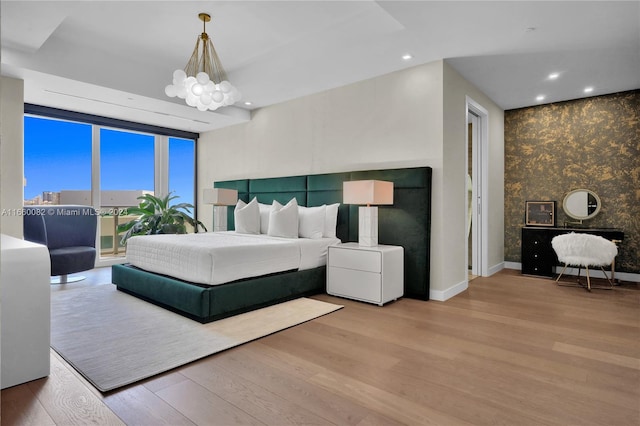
pixel 219 257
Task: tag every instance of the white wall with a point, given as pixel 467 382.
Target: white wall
pixel 456 90
pixel 11 155
pixel 392 121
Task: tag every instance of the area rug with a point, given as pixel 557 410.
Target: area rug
pixel 114 339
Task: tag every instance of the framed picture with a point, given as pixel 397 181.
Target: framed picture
pixel 540 213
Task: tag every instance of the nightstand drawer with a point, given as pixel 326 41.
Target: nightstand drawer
pixel 361 260
pixel 354 284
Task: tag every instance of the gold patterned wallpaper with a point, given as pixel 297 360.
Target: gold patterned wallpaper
pixel 591 143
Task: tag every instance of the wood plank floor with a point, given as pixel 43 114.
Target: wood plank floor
pixel 511 350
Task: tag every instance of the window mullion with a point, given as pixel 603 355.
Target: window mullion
pixel 161 165
pixel 95 167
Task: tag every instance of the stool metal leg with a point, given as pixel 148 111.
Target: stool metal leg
pixel 564 284
pixel 563 269
pixel 612 280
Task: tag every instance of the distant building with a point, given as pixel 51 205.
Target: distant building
pixel 37 200
pixel 50 197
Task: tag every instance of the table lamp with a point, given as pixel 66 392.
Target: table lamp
pixel 220 198
pixel 367 192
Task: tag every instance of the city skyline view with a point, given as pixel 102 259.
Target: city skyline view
pixel 58 157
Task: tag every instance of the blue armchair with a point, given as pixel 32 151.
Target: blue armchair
pixel 69 232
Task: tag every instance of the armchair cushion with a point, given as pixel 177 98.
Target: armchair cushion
pixel 68 231
pixel 34 227
pixel 71 226
pixel 69 260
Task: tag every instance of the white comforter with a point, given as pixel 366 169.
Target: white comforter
pixel 220 257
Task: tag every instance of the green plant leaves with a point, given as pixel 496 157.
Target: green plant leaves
pixel 157 216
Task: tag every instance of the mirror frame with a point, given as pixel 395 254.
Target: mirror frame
pixel 589 216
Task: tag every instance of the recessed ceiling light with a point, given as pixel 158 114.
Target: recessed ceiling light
pixel 247 103
pixel 407 56
pixel 540 98
pixel 553 76
pixel 588 89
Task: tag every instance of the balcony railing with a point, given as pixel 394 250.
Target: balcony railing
pixel 110 244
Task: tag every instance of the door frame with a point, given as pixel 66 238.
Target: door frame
pixel 480 193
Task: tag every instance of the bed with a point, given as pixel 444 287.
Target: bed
pixel 215 258
pixel 406 223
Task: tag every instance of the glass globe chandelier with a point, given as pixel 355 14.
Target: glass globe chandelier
pixel 203 82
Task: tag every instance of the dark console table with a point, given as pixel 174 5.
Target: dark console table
pixel 538 257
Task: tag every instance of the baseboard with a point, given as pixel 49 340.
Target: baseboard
pixel 596 273
pixel 442 295
pixel 513 265
pixel 496 268
pixel 628 276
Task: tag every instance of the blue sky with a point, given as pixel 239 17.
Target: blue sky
pixel 57 156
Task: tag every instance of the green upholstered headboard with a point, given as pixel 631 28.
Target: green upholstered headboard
pixel 406 223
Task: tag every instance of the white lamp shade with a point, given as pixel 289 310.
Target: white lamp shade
pixel 220 196
pixel 366 192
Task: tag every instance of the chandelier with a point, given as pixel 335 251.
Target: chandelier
pixel 203 82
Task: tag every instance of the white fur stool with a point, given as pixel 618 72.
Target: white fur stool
pixel 584 250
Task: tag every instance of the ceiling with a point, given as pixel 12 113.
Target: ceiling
pixel 114 58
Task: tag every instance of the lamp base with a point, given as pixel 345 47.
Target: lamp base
pixel 368 226
pixel 219 218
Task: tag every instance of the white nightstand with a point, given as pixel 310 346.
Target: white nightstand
pixel 369 274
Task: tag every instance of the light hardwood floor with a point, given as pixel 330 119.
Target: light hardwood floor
pixel 511 350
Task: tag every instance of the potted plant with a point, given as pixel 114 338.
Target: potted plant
pixel 156 216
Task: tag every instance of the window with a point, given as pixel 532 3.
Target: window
pixel 126 161
pixel 182 160
pixel 126 171
pixel 57 157
pixel 61 146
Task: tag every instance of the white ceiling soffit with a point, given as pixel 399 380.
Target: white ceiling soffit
pixel 617 70
pixel 38 20
pixel 91 99
pixel 116 57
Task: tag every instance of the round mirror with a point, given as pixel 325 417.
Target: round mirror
pixel 581 204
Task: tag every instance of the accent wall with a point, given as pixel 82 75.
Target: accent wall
pixel 591 143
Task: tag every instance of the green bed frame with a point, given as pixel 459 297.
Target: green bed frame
pixel 406 223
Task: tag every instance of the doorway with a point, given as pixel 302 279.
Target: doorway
pixel 477 190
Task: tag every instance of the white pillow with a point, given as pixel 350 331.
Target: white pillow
pixel 311 221
pixel 331 221
pixel 247 217
pixel 283 220
pixel 265 209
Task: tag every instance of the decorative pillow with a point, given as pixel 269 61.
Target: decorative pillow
pixel 311 221
pixel 283 220
pixel 331 221
pixel 247 217
pixel 265 210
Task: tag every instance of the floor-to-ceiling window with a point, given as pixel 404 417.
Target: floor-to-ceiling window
pixel 97 163
pixel 182 169
pixel 127 169
pixel 57 157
